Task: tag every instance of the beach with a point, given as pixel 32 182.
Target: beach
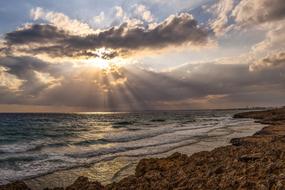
pixel 254 162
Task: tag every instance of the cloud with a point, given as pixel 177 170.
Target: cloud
pixel 252 16
pixel 100 18
pixel 32 75
pixel 176 30
pixel 250 12
pixel 141 11
pixel 268 17
pixel 221 11
pixel 37 13
pixel 176 5
pixel 236 82
pixel 241 86
pixel 274 39
pixel 275 60
pixel 119 12
pixel 62 21
pixel 189 86
pixel 227 14
pixel 8 81
pixel 37 33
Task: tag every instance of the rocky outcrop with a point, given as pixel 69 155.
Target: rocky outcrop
pixel 15 186
pixel 273 117
pixel 82 183
pixel 244 167
pixel 256 162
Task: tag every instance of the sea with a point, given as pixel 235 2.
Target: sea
pixel 47 149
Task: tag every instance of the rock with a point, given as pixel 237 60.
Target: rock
pixel 15 186
pixel 250 157
pixel 145 165
pixel 237 142
pixel 153 175
pixel 82 183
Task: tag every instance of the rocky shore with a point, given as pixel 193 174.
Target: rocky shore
pixel 255 162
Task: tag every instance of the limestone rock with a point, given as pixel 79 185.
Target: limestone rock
pixel 15 186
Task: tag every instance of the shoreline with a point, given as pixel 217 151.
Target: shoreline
pixel 115 170
pixel 181 171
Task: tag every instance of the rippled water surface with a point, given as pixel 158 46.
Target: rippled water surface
pixel 36 144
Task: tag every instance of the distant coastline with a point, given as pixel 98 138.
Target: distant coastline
pixel 138 111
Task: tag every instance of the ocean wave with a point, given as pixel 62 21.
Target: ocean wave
pixel 158 120
pixel 91 142
pixel 22 158
pixel 123 123
pixel 127 137
pixel 21 147
pixel 18 148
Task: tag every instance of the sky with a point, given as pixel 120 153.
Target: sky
pixel 131 55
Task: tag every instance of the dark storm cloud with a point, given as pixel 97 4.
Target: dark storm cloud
pixel 175 30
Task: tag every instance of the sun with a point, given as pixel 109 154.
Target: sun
pixel 98 63
pixel 102 63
